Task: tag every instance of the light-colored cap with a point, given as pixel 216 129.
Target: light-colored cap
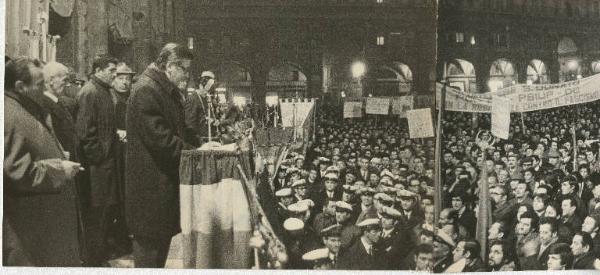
pixel 207 74
pixel 368 222
pixel 383 197
pixel 298 207
pixel 293 224
pixel 299 182
pixel 284 192
pixel 316 255
pixel 343 206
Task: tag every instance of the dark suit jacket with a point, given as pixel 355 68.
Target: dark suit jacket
pixel 584 262
pixel 468 220
pixel 529 263
pixel 396 247
pixel 574 223
pixel 319 198
pixel 357 258
pixel 368 213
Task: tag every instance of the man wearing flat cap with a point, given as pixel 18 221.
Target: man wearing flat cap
pixel 411 214
pixel 319 259
pixel 364 254
pixel 395 242
pixel 350 232
pixel 331 238
pixel 331 191
pixel 286 198
pixel 367 207
pixel 299 241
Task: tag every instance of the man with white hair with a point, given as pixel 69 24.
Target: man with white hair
pixel 55 81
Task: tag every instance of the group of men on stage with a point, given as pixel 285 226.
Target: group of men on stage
pixel 361 198
pixel 91 174
pixel 544 185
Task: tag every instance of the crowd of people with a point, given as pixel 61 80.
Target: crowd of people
pixel 543 183
pixel 91 171
pixel 361 197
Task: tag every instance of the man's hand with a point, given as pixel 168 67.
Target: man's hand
pixel 71 168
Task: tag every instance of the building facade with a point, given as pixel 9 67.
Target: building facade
pixel 484 45
pixel 260 48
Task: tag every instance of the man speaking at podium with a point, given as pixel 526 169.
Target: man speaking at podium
pixel 156 136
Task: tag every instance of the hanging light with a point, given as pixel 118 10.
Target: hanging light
pixel 358 69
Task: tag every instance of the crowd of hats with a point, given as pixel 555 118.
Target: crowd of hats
pixel 340 154
pixel 546 172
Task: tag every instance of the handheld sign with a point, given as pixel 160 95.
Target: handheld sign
pixel 377 105
pixel 402 104
pixel 501 108
pixel 420 123
pixel 352 109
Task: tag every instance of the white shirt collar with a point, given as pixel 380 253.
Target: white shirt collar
pixel 365 244
pixel 51 96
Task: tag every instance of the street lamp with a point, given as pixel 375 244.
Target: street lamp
pixel 358 69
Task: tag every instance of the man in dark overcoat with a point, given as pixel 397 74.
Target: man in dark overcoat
pixel 155 138
pixel 96 129
pixel 39 224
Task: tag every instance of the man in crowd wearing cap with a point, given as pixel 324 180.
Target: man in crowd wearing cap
pixel 331 238
pixel 300 190
pixel 286 198
pixel 367 205
pixel 281 181
pixel 411 216
pixel 197 109
pixel 299 241
pixel 326 217
pixel 331 191
pixel 395 243
pixel 364 253
pixel 350 232
pixel 97 130
pixel 319 259
pixel 121 88
pixel 349 196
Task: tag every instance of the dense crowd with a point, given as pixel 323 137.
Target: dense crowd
pixel 360 198
pixel 544 186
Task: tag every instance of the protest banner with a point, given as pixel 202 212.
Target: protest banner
pixel 420 123
pixel 526 98
pixel 377 105
pixel 501 117
pixel 402 104
pixel 297 109
pixel 353 109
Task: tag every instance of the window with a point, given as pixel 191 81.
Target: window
pixel 379 1
pixel 460 37
pixel 380 40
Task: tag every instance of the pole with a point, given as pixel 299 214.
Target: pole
pixel 484 214
pixel 209 118
pixel 522 123
pixel 438 154
pixel 574 148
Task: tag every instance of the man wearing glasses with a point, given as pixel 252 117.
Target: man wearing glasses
pixel 156 136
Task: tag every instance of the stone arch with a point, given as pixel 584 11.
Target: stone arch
pixel 537 72
pixel 502 74
pixel 390 80
pixel 461 75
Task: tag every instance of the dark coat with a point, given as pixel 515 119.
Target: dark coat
pixel 530 263
pixel 319 198
pixel 369 213
pixel 356 258
pixel 155 139
pixel 396 247
pixel 40 215
pixel 96 129
pixel 196 112
pixel 475 266
pixel 468 220
pixel 584 262
pixel 62 123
